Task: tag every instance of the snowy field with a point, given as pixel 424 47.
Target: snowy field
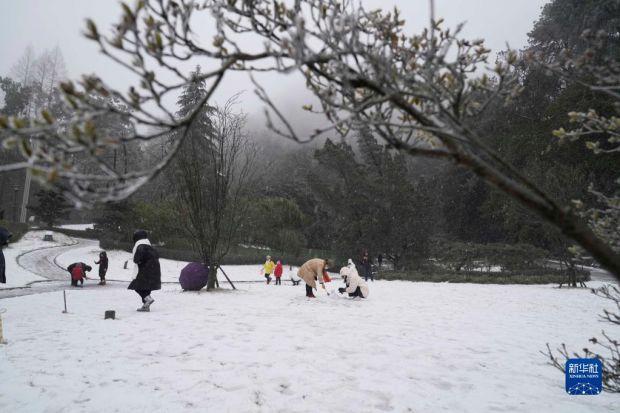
pixel 417 347
pixel 170 270
pixel 17 275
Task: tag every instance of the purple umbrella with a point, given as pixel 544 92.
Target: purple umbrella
pixel 194 276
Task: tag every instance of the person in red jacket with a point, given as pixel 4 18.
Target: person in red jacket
pixel 278 272
pixel 78 273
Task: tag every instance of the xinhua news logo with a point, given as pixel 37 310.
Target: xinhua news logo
pixel 584 377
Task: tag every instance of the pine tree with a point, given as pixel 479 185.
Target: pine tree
pixel 51 207
pixel 192 95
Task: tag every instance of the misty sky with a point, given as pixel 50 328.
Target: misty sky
pixel 49 23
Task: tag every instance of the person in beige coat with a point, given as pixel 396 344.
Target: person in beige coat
pixel 311 272
pixel 355 286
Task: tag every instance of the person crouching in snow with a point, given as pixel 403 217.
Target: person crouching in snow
pixel 103 266
pixel 268 267
pixel 355 286
pixel 149 272
pixel 277 271
pixel 78 273
pixel 311 272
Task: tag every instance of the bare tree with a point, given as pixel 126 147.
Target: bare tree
pixel 418 92
pixel 212 175
pixel 23 70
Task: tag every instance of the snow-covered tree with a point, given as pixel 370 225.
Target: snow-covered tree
pixel 50 208
pixel 418 92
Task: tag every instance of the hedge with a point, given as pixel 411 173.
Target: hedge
pixel 18 229
pixel 237 255
pixel 77 233
pixel 533 276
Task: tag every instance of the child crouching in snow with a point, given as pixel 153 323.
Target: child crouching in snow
pixel 149 271
pixel 78 273
pixel 355 286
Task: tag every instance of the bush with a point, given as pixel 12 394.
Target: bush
pixel 509 258
pixel 549 277
pixel 237 256
pixel 87 233
pixel 16 228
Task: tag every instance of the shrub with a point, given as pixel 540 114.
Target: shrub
pixel 16 228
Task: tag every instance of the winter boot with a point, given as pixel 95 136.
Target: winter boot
pixel 148 300
pixel 144 308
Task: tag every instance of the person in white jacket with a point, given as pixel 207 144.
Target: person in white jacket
pixel 355 286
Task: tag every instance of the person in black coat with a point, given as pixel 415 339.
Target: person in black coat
pixel 148 278
pixel 5 235
pixel 366 266
pixel 103 266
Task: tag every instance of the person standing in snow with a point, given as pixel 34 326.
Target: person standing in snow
pixel 366 267
pixel 5 235
pixel 268 268
pixel 103 266
pixel 311 272
pixel 78 273
pixel 355 286
pixel 277 271
pixel 148 278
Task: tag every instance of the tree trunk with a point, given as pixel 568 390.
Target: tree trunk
pixel 211 283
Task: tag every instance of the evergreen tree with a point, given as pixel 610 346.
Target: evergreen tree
pixel 50 208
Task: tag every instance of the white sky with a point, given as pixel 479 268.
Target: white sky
pixel 45 24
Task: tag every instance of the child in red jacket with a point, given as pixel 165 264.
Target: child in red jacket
pixel 78 273
pixel 278 272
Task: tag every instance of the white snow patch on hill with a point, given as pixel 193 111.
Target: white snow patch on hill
pixel 78 227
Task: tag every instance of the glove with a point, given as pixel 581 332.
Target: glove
pixel 341 290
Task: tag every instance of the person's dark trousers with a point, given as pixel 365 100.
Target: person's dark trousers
pixel 356 293
pixel 268 278
pixel 74 283
pixel 309 291
pixel 143 293
pixel 278 281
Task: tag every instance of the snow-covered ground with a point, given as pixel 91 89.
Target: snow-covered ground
pixel 170 269
pixel 20 275
pixel 419 347
pixel 78 227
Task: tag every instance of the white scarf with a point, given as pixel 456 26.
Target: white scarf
pixel 133 254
